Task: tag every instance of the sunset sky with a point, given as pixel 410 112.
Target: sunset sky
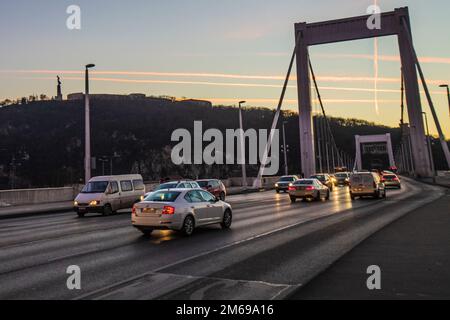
pixel 223 51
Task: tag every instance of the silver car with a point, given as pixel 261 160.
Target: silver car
pixel 183 184
pixel 308 189
pixel 181 210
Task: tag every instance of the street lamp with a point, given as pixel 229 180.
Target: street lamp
pixel 448 94
pixel 286 169
pixel 430 151
pixel 87 127
pixel 241 126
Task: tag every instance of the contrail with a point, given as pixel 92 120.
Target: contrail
pixel 376 70
pixel 323 78
pixel 227 84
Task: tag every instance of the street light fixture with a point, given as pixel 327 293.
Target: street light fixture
pixel 448 94
pixel 241 126
pixel 87 127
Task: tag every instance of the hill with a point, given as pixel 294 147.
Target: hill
pixel 42 142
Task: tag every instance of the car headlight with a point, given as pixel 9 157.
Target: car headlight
pixel 75 203
pixel 94 203
pixel 291 184
pixel 142 198
pixel 276 184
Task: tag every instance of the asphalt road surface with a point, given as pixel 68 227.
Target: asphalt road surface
pixel 273 248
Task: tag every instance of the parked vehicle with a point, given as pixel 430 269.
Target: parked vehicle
pixel 182 184
pixel 363 184
pixel 308 189
pixel 391 180
pixel 325 179
pixel 180 210
pixel 283 183
pixel 108 194
pixel 343 178
pixel 214 186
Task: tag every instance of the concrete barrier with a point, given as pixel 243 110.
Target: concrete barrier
pixel 36 196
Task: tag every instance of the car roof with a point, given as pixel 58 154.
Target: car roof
pixel 178 190
pixel 117 177
pixel 180 181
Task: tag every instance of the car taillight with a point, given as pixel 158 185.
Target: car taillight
pixel 395 179
pixel 168 210
pixel 310 188
pixel 292 188
pixel 133 210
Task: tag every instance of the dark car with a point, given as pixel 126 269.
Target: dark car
pixel 325 179
pixel 284 182
pixel 343 178
pixel 214 186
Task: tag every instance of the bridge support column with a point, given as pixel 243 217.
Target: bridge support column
pixel 417 131
pixel 304 104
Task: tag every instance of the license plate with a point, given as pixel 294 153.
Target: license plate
pixel 149 210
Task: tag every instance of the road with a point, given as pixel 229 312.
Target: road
pixel 273 248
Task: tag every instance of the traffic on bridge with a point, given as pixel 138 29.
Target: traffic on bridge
pixel 232 182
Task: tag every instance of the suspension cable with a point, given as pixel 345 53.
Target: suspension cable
pixel 323 108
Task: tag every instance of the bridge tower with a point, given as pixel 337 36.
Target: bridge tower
pixel 395 23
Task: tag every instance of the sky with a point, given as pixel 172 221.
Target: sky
pixel 224 51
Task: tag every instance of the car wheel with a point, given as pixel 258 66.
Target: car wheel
pixel 278 191
pixel 227 219
pixel 293 199
pixel 222 196
pixel 188 226
pixel 107 210
pixel 80 214
pixel 147 232
pixel 328 195
pixel 384 194
pixel 317 197
pixel 352 197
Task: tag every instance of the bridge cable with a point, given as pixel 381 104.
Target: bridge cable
pixel 327 121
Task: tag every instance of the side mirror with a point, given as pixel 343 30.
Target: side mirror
pixel 209 186
pixel 216 199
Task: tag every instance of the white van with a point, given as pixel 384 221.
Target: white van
pixel 108 194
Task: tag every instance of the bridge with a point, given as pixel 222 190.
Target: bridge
pixel 275 249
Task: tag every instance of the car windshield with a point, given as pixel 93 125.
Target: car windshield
pixel 166 186
pixel 390 176
pixel 304 182
pixel 341 175
pixel 95 187
pixel 163 196
pixel 203 184
pixel 286 179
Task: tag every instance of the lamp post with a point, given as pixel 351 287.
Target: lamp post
pixel 286 168
pixel 430 151
pixel 241 126
pixel 448 94
pixel 87 128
